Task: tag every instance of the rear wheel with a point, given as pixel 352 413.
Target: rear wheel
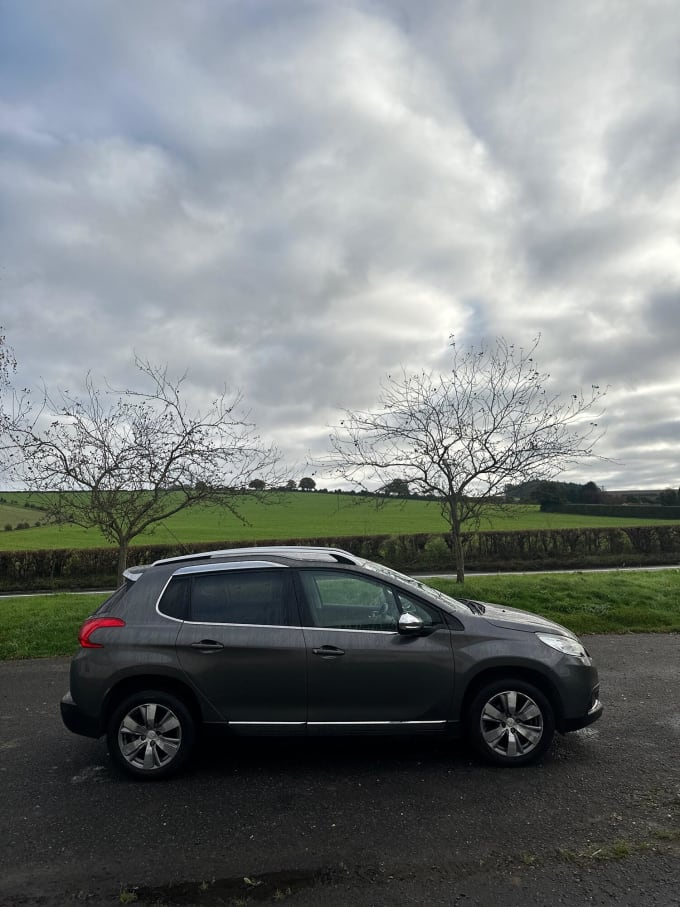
pixel 511 723
pixel 151 734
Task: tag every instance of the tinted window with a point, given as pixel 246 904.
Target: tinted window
pixel 247 597
pixel 175 600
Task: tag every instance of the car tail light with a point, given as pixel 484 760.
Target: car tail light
pixel 95 623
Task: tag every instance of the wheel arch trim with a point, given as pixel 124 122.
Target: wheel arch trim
pixel 513 672
pixel 163 683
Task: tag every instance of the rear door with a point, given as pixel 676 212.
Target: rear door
pixel 242 644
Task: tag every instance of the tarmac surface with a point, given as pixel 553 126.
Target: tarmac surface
pixel 353 821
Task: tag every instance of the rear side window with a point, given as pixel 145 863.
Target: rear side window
pixel 175 599
pixel 234 597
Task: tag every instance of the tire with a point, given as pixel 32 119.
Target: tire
pixel 510 723
pixel 151 735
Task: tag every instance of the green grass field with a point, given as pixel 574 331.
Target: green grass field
pixel 619 601
pixel 288 516
pixel 40 626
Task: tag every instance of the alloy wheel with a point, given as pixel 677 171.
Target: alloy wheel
pixel 511 724
pixel 149 736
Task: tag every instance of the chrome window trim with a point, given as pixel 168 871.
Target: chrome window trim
pixel 348 630
pixel 158 602
pixel 203 623
pixel 177 620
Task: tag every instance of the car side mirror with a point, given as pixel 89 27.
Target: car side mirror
pixel 410 625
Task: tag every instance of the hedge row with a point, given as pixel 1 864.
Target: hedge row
pixel 644 511
pixel 490 551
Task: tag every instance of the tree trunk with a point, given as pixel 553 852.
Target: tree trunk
pixel 456 541
pixel 459 557
pixel 122 559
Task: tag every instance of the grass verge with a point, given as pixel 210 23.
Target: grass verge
pixel 645 601
pixel 41 626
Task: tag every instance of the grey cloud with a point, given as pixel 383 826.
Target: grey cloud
pixel 585 249
pixel 650 433
pixel 298 198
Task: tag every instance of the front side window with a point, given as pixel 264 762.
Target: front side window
pixel 345 601
pixel 249 597
pixel 409 605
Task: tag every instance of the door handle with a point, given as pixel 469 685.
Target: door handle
pixel 208 645
pixel 329 651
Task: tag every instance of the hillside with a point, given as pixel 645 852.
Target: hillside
pixel 292 515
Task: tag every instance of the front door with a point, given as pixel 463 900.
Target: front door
pixel 362 671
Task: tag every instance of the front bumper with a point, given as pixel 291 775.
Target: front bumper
pixel 593 713
pixel 77 721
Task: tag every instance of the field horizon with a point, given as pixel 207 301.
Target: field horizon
pixel 288 515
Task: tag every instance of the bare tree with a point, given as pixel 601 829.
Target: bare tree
pixel 8 363
pixel 464 434
pixel 123 462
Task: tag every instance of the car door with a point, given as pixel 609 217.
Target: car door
pixel 362 671
pixel 242 645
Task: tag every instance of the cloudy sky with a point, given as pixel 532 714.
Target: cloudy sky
pixel 296 197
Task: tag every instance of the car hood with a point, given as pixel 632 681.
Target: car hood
pixel 514 619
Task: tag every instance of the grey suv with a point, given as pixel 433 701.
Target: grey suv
pixel 316 641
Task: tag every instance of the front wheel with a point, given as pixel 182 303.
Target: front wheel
pixel 151 734
pixel 511 723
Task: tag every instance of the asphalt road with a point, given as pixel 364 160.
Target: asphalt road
pixel 361 822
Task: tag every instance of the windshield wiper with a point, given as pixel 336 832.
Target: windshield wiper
pixel 475 607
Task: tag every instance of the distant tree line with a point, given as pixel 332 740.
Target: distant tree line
pixel 552 495
pixel 669 497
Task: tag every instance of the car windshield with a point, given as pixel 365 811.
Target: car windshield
pixel 451 604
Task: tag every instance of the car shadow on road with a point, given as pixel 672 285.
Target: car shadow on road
pixel 293 760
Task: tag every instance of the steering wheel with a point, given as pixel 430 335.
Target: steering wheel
pixel 379 612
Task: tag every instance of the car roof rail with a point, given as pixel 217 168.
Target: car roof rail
pixel 197 569
pixel 295 552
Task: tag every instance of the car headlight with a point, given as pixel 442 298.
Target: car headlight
pixel 564 644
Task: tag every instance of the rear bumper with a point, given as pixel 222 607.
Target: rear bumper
pixel 77 721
